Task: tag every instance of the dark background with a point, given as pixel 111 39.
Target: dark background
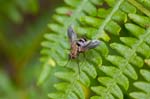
pixel 22 26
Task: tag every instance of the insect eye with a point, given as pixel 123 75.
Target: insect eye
pixel 82 40
pixel 78 43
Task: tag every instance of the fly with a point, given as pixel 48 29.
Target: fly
pixel 79 45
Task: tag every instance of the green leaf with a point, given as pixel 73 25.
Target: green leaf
pixel 145 74
pixel 103 49
pixel 130 54
pixel 117 75
pixel 95 22
pixel 55 28
pixel 56 95
pixel 102 91
pixel 63 10
pixel 90 9
pixel 44 74
pixel 127 7
pixel 138 95
pixel 72 3
pixel 84 79
pixel 112 87
pixel 97 2
pixel 141 20
pixel 125 67
pixel 90 70
pixel 110 2
pixel 72 96
pixel 120 17
pixel 102 13
pixel 61 86
pixel 79 91
pixel 134 43
pixel 143 86
pixel 65 75
pixel 145 3
pixel 113 28
pixel 116 62
pixel 134 29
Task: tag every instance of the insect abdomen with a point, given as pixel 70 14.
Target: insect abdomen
pixel 74 51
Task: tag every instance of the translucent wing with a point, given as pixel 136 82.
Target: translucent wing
pixel 90 44
pixel 71 34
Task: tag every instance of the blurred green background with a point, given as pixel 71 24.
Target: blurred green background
pixel 22 25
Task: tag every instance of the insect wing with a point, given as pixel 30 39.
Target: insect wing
pixel 91 44
pixel 71 34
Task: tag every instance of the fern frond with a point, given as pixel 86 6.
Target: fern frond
pixel 109 20
pixel 111 83
pixel 111 88
pixel 121 60
pixel 128 57
pixel 56 43
pixel 144 87
pixel 55 51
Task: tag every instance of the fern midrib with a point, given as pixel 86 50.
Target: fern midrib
pixel 108 91
pixel 146 34
pixel 107 19
pixel 72 18
pixel 141 40
pixel 76 78
pixel 69 89
pixel 76 15
pixel 113 82
pixel 68 22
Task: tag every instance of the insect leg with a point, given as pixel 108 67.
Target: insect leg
pixel 67 63
pixel 78 65
pixel 84 56
pixel 84 59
